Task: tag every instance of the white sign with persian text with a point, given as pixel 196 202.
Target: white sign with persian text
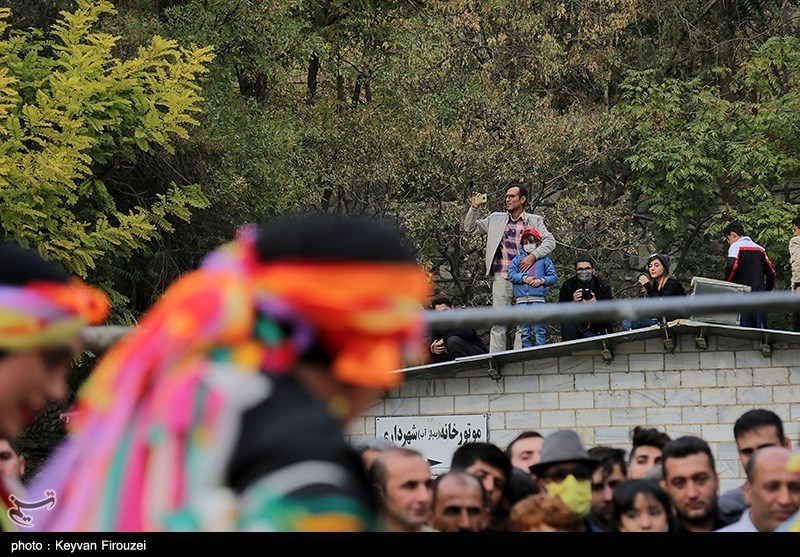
pixel 436 437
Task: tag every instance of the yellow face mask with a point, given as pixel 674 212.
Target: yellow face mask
pixel 576 494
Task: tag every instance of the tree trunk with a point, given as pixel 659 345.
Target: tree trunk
pixel 311 79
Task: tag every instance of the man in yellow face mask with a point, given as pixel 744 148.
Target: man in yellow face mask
pixel 565 470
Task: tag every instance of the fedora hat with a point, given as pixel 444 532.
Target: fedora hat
pixel 563 445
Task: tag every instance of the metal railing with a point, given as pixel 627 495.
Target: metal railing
pixel 671 307
pixel 98 338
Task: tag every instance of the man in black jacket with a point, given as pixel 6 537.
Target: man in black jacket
pixel 585 287
pixel 456 343
pixel 747 263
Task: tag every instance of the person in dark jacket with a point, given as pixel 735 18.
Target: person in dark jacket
pixel 657 283
pixel 692 483
pixel 585 287
pixel 748 264
pixel 447 345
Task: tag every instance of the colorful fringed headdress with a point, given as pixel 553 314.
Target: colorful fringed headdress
pixel 48 314
pixel 154 425
pixel 40 308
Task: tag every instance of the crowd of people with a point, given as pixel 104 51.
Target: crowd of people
pixel 657 484
pixel 518 245
pixel 226 408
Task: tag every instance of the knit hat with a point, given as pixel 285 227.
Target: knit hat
pixel 531 232
pixel 663 257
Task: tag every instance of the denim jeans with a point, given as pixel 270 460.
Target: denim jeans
pixel 628 325
pixel 754 320
pixel 539 335
pixel 535 334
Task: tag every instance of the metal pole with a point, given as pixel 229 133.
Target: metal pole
pixel 671 307
pixel 99 338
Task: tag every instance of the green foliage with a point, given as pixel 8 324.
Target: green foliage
pixel 70 112
pixel 632 130
pixel 700 155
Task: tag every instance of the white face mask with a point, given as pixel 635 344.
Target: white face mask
pixel 584 276
pixel 529 248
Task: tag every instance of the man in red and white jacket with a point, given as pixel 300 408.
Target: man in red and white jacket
pixel 748 264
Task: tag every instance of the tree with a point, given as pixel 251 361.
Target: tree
pixel 701 157
pixel 71 113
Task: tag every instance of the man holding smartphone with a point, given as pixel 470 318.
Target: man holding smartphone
pixel 585 287
pixel 503 231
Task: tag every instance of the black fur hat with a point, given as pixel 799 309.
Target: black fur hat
pixel 19 266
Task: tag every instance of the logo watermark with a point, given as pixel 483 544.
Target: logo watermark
pixel 18 507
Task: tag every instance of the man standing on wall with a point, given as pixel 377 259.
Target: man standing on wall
pixel 748 264
pixel 794 258
pixel 503 230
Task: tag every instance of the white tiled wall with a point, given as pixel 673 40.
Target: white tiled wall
pixel 685 392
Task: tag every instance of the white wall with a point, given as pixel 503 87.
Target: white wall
pixel 690 391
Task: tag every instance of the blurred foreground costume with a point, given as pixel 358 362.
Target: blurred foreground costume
pixel 42 313
pixel 225 408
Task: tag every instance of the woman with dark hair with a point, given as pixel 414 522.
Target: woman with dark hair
pixel 657 283
pixel 641 506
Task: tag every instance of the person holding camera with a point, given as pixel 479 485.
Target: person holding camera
pixel 657 283
pixel 585 287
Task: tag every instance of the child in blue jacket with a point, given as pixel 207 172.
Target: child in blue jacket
pixel 530 286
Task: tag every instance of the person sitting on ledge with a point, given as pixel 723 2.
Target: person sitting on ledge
pixel 447 345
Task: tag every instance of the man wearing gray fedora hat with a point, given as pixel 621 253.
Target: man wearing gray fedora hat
pixel 565 470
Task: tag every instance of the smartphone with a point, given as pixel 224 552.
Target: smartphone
pixel 480 198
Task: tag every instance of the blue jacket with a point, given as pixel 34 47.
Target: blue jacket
pixel 542 268
pixel 495 225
